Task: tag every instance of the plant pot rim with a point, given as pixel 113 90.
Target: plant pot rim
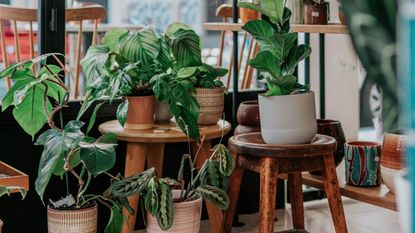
pixel 388 168
pixel 214 88
pixel 316 4
pixel 138 96
pixel 60 210
pixel 287 96
pixel 363 143
pixel 250 102
pixel 327 122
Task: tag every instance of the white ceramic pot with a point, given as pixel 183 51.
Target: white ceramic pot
pixel 186 217
pixel 388 175
pixel 73 221
pixel 288 119
pixel 404 200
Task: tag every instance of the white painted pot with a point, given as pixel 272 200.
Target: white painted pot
pixel 388 175
pixel 288 119
pixel 404 200
pixel 186 217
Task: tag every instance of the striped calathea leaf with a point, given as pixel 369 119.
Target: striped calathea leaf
pixel 372 26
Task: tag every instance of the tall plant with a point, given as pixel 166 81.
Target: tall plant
pixel 37 97
pixel 372 26
pixel 279 54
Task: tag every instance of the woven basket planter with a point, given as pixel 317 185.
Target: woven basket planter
pixel 73 221
pixel 211 103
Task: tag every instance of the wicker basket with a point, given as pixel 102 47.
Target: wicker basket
pixel 211 103
pixel 73 221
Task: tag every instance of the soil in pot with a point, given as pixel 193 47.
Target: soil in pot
pixel 316 13
pixel 141 111
pixel 288 119
pixel 211 102
pixel 73 220
pixel 186 217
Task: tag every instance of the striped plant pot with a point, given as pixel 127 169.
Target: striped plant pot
pixel 186 218
pixel 73 221
pixel 211 103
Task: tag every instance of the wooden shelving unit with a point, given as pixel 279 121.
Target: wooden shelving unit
pixel 303 28
pixel 14 177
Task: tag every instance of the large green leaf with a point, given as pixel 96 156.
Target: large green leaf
pixel 151 198
pixel 185 45
pixel 6 190
pixel 279 44
pixel 94 61
pixel 214 195
pixel 132 185
pixel 259 29
pixel 164 56
pixel 97 157
pixel 112 38
pixel 122 112
pixel 116 220
pixel 297 54
pixel 140 46
pixel 225 159
pixel 265 61
pixel 165 214
pixel 25 77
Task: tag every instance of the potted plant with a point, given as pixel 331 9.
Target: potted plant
pixel 174 205
pixel 123 67
pixel 187 74
pixel 287 109
pixel 7 190
pixel 316 12
pixel 248 14
pixel 37 97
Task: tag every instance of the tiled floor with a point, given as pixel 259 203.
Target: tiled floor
pixel 360 217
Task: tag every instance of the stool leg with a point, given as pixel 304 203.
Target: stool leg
pixel 215 214
pixel 268 184
pixel 235 186
pixel 331 186
pixel 155 157
pixel 295 186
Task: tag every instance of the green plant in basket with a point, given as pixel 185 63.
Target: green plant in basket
pixel 279 53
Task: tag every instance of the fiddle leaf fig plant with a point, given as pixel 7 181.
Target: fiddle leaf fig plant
pixel 279 54
pixel 209 183
pixel 37 96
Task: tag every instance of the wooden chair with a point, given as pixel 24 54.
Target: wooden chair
pixel 74 15
pixel 225 11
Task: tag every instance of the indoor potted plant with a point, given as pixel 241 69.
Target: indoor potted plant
pixel 316 12
pixel 287 109
pixel 37 98
pixel 174 205
pixel 123 67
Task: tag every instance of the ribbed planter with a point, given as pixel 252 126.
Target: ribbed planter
pixel 392 158
pixel 211 103
pixel 73 221
pixel 288 119
pixel 186 217
pixel 140 112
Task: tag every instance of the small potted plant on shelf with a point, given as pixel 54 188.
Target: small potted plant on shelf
pixel 316 12
pixel 174 205
pixel 247 14
pixel 7 190
pixel 37 97
pixel 287 109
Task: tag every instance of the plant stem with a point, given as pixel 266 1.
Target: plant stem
pixel 68 167
pixel 86 186
pixel 113 177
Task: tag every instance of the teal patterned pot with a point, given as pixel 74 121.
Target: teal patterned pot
pixel 362 161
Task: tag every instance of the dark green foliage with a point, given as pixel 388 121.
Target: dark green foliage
pixel 373 32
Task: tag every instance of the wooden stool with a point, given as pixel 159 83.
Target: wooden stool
pixel 270 160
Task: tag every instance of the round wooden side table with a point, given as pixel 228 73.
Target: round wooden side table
pixel 146 147
pixel 269 160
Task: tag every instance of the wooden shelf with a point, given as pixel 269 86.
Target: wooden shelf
pixel 15 177
pixel 325 29
pixel 379 196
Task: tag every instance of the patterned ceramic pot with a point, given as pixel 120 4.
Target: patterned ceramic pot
pixel 362 161
pixel 73 221
pixel 140 114
pixel 186 217
pixel 211 102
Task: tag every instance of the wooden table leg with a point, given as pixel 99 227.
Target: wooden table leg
pixel 295 187
pixel 268 187
pixel 155 157
pixel 215 214
pixel 134 163
pixel 331 186
pixel 235 182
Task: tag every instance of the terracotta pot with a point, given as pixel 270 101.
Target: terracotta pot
pixel 73 221
pixel 393 149
pixel 362 163
pixel 316 13
pixel 248 14
pixel 162 114
pixel 248 113
pixel 281 123
pixel 211 103
pixel 342 16
pixel 333 129
pixel 140 112
pixel 186 217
